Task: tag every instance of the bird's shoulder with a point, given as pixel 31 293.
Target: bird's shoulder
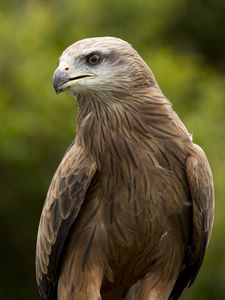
pixel 201 186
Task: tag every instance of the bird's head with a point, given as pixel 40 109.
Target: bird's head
pixel 98 65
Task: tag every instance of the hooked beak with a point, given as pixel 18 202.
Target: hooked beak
pixel 62 79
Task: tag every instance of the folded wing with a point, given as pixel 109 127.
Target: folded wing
pixel 200 182
pixel 64 200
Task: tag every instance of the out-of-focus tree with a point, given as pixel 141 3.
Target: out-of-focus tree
pixel 183 43
pixel 199 26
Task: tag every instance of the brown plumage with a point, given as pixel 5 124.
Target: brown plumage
pixel 129 212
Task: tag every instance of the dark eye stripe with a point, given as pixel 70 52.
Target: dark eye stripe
pixel 94 58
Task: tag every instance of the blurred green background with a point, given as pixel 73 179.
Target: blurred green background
pixel 184 44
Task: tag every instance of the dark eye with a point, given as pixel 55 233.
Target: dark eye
pixel 93 59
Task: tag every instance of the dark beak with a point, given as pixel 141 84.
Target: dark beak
pixel 60 77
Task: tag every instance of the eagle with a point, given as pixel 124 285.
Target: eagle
pixel 129 212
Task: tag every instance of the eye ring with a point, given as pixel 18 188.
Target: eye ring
pixel 93 59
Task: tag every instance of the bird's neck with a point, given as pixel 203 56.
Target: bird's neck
pixel 105 124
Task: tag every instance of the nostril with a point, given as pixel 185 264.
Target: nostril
pixel 67 68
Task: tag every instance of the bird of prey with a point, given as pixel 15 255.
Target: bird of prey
pixel 129 211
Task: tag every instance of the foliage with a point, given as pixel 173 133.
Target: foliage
pixel 179 40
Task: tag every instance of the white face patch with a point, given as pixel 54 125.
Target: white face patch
pixel 116 73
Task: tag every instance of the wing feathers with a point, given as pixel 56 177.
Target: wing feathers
pixel 202 194
pixel 65 197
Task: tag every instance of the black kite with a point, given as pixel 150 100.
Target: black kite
pixel 129 212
